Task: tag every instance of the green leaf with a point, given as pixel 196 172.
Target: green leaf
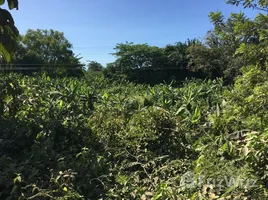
pixel 158 196
pixel 6 17
pixel 14 189
pixel 5 53
pixel 39 135
pixel 245 150
pixel 241 49
pixel 17 179
pixel 229 190
pixel 182 108
pixel 224 147
pixel 60 104
pixel 217 110
pixel 13 4
pixel 196 115
pixel 105 96
pixel 78 155
pixel 2 2
pixel 121 179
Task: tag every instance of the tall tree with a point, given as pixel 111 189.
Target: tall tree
pixel 176 55
pixel 46 48
pixel 50 45
pixel 138 56
pixel 219 50
pixel 254 50
pixel 206 60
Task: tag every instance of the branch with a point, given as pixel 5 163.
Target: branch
pixel 262 9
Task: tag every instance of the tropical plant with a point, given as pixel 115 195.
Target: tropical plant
pixel 8 31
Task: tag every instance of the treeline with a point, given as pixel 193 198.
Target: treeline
pixel 150 64
pixel 232 43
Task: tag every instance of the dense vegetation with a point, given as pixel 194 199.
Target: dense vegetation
pixel 107 134
pixel 67 138
pixel 232 44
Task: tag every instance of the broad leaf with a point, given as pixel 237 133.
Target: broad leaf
pixel 5 53
pixel 13 4
pixel 2 2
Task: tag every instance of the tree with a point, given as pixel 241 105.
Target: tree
pixel 48 49
pixel 254 51
pixel 136 62
pixel 206 60
pixel 150 64
pixel 132 56
pixel 50 45
pixel 94 66
pixel 260 5
pixel 221 44
pixel 176 55
pixel 8 31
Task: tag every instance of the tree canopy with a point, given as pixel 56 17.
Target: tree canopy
pixel 48 49
pixel 94 66
pixel 221 51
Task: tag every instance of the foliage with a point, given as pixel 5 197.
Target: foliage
pixel 233 43
pixel 218 54
pixel 259 5
pixel 254 51
pixel 8 31
pixel 102 136
pixel 92 138
pixel 94 66
pixel 142 63
pixel 46 49
pixel 177 55
pixel 132 56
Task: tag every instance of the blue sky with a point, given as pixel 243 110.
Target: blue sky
pixel 94 27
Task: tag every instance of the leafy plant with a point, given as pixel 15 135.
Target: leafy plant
pixel 8 31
